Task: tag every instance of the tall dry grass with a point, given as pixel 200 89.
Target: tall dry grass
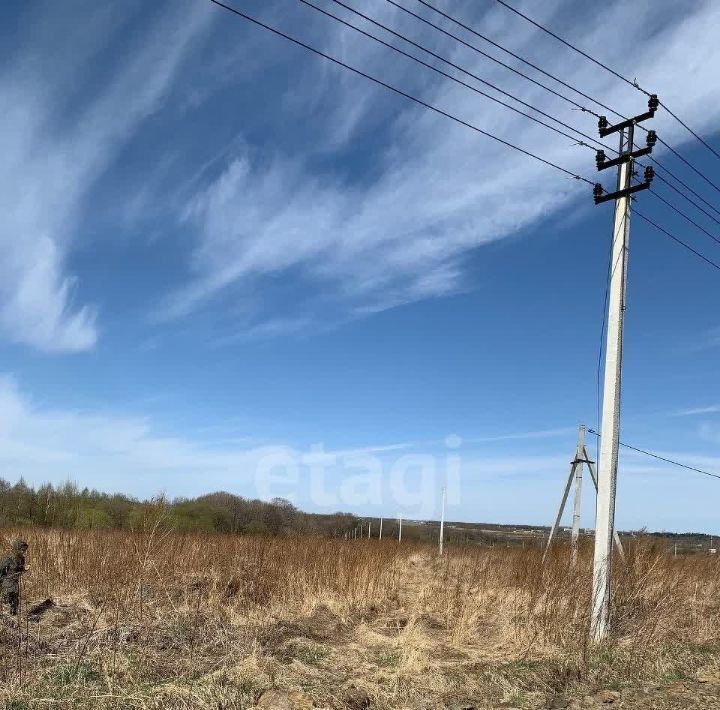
pixel 155 619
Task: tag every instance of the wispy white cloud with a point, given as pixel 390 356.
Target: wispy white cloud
pixel 523 435
pixel 438 191
pixel 694 411
pixel 114 452
pixel 56 141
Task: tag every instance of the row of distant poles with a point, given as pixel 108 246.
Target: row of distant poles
pixel 359 531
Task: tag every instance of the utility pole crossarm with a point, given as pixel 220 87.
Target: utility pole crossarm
pixel 626 155
pixel 603 163
pixel 599 194
pixel 606 129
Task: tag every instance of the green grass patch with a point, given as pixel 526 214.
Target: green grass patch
pixel 83 673
pixel 386 659
pixel 311 653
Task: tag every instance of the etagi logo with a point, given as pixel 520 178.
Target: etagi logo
pixel 411 482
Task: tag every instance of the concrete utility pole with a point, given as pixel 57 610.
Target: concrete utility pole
pixel 380 536
pixel 609 444
pixel 400 530
pixel 610 433
pixel 442 521
pixel 369 525
pixel 575 535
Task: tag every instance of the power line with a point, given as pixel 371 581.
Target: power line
pixel 471 30
pixel 661 458
pixel 507 51
pixel 612 71
pixel 683 183
pixel 687 162
pixel 400 92
pixel 689 199
pixel 634 84
pixel 690 130
pixel 450 76
pixel 446 114
pixel 677 239
pixel 496 88
pixel 685 216
pixel 472 88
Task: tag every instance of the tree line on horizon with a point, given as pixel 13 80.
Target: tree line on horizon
pixel 69 506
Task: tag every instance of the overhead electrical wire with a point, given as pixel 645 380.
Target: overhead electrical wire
pixel 634 84
pixel 398 91
pixel 472 88
pixel 499 46
pixel 477 78
pixel 688 163
pixel 472 74
pixel 465 71
pixel 493 86
pixel 690 130
pixel 686 216
pixel 451 116
pixel 712 263
pixel 682 182
pixel 689 199
pixel 661 458
pixel 612 71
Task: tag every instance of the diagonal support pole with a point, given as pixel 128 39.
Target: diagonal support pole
pixel 561 508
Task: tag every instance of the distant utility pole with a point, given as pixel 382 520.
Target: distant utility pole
pixel 369 525
pixel 442 521
pixel 575 534
pixel 610 433
pixel 380 535
pixel 582 457
pixel 400 529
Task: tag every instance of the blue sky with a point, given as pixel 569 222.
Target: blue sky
pixel 220 250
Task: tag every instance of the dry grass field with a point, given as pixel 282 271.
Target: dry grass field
pixel 153 619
